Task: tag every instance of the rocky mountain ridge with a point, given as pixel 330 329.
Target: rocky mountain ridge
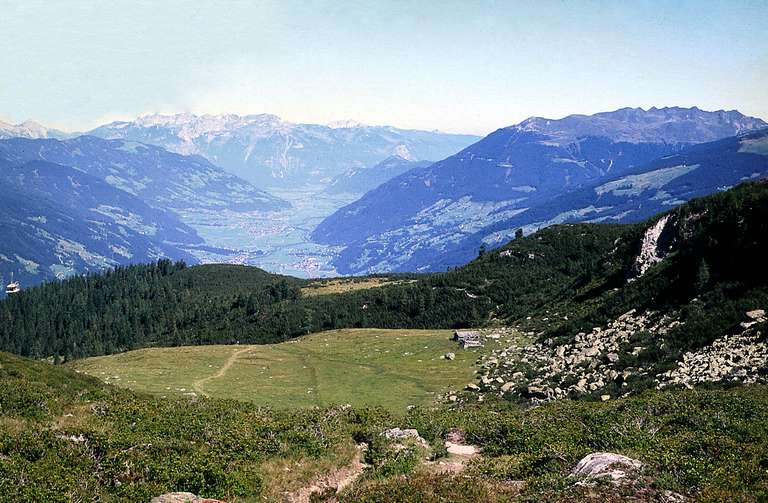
pixel 637 125
pixel 271 152
pixel 434 218
pixel 30 130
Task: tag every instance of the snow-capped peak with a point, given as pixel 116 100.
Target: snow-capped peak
pixel 27 129
pixel 189 126
pixel 345 124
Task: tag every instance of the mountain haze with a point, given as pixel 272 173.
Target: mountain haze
pixel 361 180
pixel 271 152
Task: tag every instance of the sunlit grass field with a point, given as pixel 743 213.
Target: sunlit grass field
pixel 343 285
pixel 362 367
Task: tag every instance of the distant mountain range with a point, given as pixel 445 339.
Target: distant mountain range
pixel 148 191
pixel 85 203
pixel 270 152
pixel 361 180
pixel 29 129
pixel 74 204
pixel 536 173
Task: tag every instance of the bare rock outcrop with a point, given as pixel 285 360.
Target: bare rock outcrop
pixel 400 436
pixel 606 464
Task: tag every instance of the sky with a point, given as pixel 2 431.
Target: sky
pixel 460 66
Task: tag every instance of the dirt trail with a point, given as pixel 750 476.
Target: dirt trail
pixel 459 454
pixel 334 481
pixel 198 385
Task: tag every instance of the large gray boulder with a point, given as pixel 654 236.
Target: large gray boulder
pixel 605 464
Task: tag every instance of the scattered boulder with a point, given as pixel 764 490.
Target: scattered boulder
pixel 605 464
pixel 461 449
pixel 673 497
pixel 591 352
pixel 398 434
pixel 403 435
pixel 731 358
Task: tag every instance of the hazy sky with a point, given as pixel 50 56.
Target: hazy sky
pixel 467 65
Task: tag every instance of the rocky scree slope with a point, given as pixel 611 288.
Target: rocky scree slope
pixel 688 308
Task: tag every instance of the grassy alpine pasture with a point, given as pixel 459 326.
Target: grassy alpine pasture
pixel 362 367
pixel 343 285
pixel 69 437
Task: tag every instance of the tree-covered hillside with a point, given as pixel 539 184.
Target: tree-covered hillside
pixel 56 221
pixel 713 250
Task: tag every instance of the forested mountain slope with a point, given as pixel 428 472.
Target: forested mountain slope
pixel 56 221
pixel 580 271
pixel 162 179
pixel 650 189
pixel 484 193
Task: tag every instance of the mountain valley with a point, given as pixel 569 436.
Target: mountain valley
pixel 616 315
pixel 270 152
pixel 642 339
pixel 528 265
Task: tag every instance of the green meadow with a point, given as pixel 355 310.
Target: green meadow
pixel 361 367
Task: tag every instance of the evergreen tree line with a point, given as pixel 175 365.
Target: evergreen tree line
pixel 170 304
pixel 579 271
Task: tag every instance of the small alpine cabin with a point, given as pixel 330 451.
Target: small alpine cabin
pixel 467 338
